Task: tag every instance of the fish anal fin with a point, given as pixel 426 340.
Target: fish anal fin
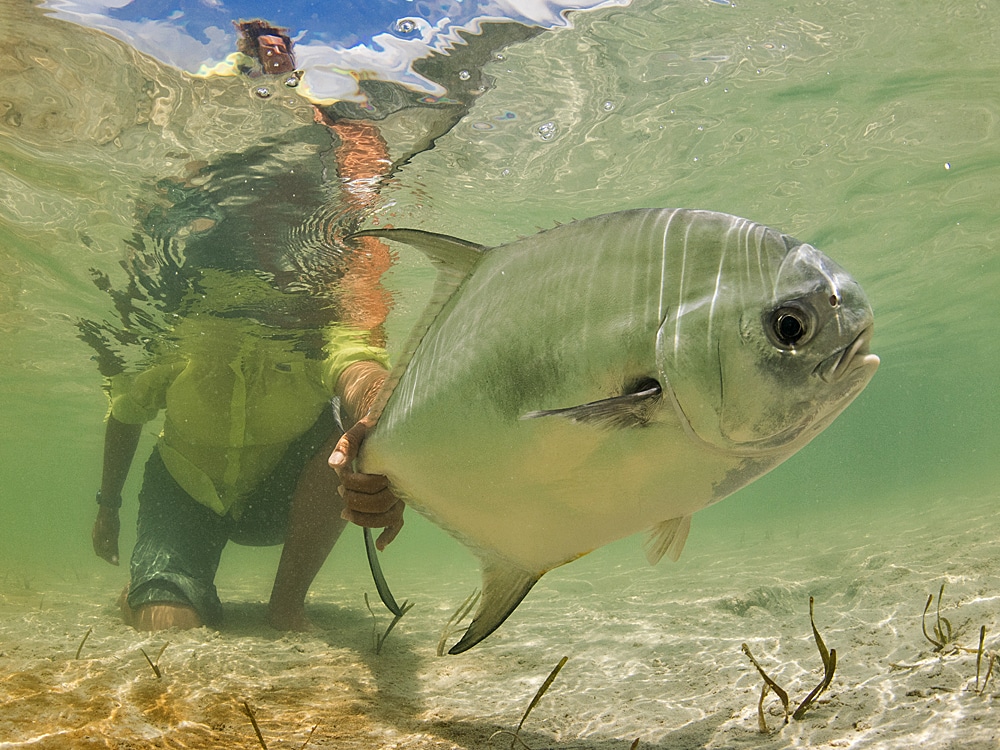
pixel 504 586
pixel 667 538
pixel 632 409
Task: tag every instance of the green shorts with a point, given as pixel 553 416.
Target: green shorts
pixel 179 541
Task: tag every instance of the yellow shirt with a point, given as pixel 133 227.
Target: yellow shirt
pixel 236 397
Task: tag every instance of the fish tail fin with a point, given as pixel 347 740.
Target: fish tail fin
pixel 504 586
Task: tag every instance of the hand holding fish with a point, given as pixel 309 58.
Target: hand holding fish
pixel 369 499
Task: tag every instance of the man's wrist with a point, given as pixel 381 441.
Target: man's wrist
pixel 359 386
pixel 109 501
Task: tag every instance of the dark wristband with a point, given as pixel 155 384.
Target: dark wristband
pixel 109 502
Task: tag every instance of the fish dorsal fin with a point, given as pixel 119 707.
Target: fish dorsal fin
pixel 450 254
pixel 454 260
pixel 504 586
pixel 667 538
pixel 632 409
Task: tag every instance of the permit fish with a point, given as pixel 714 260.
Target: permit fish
pixel 609 376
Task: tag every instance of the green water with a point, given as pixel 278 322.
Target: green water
pixel 871 130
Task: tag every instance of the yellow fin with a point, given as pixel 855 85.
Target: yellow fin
pixel 504 586
pixel 667 538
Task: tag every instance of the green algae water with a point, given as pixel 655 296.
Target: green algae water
pixel 871 131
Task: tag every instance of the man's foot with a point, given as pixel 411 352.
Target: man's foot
pixel 166 615
pixel 158 616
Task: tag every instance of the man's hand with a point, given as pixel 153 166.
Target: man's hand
pixel 368 497
pixel 105 534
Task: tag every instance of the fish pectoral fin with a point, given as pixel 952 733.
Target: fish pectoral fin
pixel 667 538
pixel 632 409
pixel 504 586
pixel 454 260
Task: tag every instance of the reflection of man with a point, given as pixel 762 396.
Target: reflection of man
pixel 269 45
pixel 273 54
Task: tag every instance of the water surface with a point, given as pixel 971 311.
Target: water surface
pixel 871 131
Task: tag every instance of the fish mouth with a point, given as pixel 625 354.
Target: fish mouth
pixel 854 357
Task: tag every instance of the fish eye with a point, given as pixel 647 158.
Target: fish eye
pixel 789 327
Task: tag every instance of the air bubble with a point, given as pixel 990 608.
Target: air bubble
pixel 464 75
pixel 547 131
pixel 263 92
pixel 406 25
pixel 608 106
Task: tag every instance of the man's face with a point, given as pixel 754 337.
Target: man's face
pixel 273 54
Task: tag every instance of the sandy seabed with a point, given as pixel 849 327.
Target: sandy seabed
pixel 654 653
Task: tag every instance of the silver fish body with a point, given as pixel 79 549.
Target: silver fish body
pixel 609 376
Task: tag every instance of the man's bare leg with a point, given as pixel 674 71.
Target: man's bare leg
pixel 314 524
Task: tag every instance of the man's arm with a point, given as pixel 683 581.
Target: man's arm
pixel 120 442
pixel 368 497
